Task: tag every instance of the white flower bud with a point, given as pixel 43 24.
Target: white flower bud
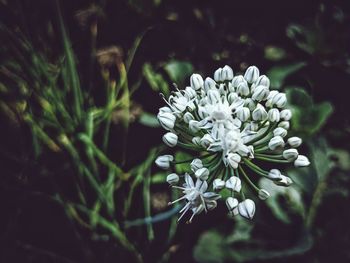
pixel 248 102
pixel 259 114
pixel 294 142
pixel 196 164
pixel 274 174
pixel 196 81
pixel 272 94
pixel 263 194
pixel 273 115
pixel 213 96
pixel 234 184
pixel 280 100
pixel 276 142
pixel 247 208
pixel 243 88
pixel 190 92
pixel 218 184
pixel 164 161
pixel 194 126
pixel 165 109
pixel 290 154
pixel 227 73
pixel 284 181
pixel 284 124
pixel 196 140
pixel 301 161
pixel 233 160
pixel 218 76
pixel 236 80
pixel 167 120
pixel 279 131
pixel 232 97
pixel 209 83
pixel 243 114
pixel 231 204
pixel 251 74
pixel 188 117
pixel 211 204
pixel 172 178
pixel 260 93
pixel 286 114
pixel 263 80
pixel 206 140
pixel 202 173
pixel 170 139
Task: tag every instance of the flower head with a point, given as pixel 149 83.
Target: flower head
pixel 230 121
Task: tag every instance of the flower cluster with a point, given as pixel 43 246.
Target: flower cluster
pixel 229 122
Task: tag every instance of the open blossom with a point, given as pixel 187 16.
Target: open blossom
pixel 229 121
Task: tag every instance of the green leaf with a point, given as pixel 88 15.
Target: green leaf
pixel 178 71
pixel 155 80
pixel 278 74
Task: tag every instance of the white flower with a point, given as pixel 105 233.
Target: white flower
pixel 202 173
pixel 274 115
pixel 243 113
pixel 232 204
pixel 286 114
pixel 227 73
pixel 234 184
pixel 301 161
pixel 172 178
pixel 274 174
pixel 236 80
pixel 170 139
pixel 276 142
pixel 188 117
pixel 167 120
pixel 218 76
pixel 263 194
pixel 249 102
pixel 284 181
pixel 243 88
pixel 218 184
pixel 196 197
pixel 259 114
pixel 196 140
pixel 252 74
pixel 196 164
pixel 164 161
pixel 246 208
pixel 263 80
pixel 260 93
pixel 209 83
pixel 194 126
pixel 190 92
pixel 284 124
pixel 233 160
pixel 294 142
pixel 290 154
pixel 206 140
pixel 196 81
pixel 280 100
pixel 279 131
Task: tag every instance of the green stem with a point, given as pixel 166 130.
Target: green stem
pixel 246 178
pixel 271 160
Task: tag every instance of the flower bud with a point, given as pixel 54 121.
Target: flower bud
pixel 193 125
pixel 276 142
pixel 294 142
pixel 213 96
pixel 227 73
pixel 172 178
pixel 232 97
pixel 284 181
pixel 286 114
pixel 251 74
pixel 218 76
pixel 218 184
pixel 243 114
pixel 202 173
pixel 263 194
pixel 233 160
pixel 236 80
pixel 279 131
pixel 167 120
pixel 280 100
pixel 188 117
pixel 234 184
pixel 290 154
pixel 165 109
pixel 196 140
pixel 260 93
pixel 243 88
pixel 231 204
pixel 196 81
pixel 301 161
pixel 164 161
pixel 263 80
pixel 273 115
pixel 247 208
pixel 196 164
pixel 170 139
pixel 206 140
pixel 209 83
pixel 250 104
pixel 190 92
pixel 274 174
pixel 259 114
pixel 284 124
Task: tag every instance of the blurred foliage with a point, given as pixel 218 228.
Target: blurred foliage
pixel 80 132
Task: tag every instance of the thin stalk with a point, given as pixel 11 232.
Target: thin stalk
pixel 271 159
pixel 246 178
